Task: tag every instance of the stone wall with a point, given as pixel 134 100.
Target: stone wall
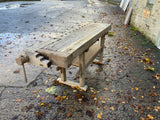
pixel 146 17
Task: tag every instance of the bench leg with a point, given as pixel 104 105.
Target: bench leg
pixel 102 45
pixel 63 74
pixel 82 69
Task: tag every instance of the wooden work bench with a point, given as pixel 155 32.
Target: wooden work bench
pixel 76 48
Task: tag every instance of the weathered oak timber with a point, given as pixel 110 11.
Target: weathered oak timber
pixel 63 74
pixel 89 56
pixel 74 44
pixel 102 46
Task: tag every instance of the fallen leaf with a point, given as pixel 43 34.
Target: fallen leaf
pixel 95 99
pixel 148 108
pixel 100 98
pixel 72 109
pixel 69 115
pixel 125 48
pixel 42 104
pixel 157 76
pixel 51 90
pixel 136 88
pixel 34 91
pixel 39 113
pixel 111 108
pixel 42 97
pixel 74 91
pixel 146 60
pixel 156 108
pixel 110 34
pixel 150 117
pixel 136 111
pixel 153 94
pixel 103 101
pixel 63 97
pixel 101 113
pixel 90 112
pixel 149 69
pixel 142 118
pixel 16 71
pixel 19 100
pixel 99 116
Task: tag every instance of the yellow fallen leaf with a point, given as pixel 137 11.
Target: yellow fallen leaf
pixel 135 110
pixel 34 91
pixel 101 113
pixel 42 104
pixel 134 97
pixel 99 116
pixel 103 101
pixel 150 117
pixel 100 98
pixel 64 97
pixel 126 48
pixel 95 98
pixel 111 108
pixel 147 59
pixel 92 91
pixel 142 118
pixel 156 108
pixel 136 88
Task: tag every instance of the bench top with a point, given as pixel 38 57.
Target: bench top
pixel 62 51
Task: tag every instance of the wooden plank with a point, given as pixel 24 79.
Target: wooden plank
pixel 128 16
pixel 121 4
pixel 89 56
pixel 82 69
pixel 125 5
pixel 72 84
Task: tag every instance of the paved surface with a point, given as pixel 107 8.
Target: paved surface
pixel 126 87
